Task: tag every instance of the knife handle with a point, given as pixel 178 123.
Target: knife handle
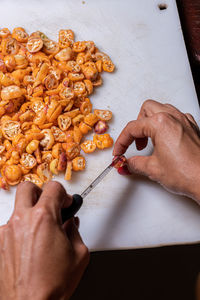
pixel 69 212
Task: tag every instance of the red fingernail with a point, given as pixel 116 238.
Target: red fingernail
pixel 123 170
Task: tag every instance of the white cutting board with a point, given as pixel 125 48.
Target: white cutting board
pixel 147 46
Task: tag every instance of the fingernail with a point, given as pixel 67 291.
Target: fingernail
pixel 77 221
pixel 123 170
pixel 113 160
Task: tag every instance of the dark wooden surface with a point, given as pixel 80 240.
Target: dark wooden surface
pixel 189 11
pixel 167 273
pixel 190 17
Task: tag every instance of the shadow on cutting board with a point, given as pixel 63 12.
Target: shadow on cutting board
pixel 166 273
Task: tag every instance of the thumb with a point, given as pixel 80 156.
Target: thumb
pixel 143 165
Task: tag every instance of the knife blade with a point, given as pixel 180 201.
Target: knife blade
pixel 69 212
pixel 99 178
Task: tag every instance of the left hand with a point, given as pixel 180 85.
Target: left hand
pixel 39 257
pixel 175 160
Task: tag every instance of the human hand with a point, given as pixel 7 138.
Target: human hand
pixel 175 161
pixel 39 257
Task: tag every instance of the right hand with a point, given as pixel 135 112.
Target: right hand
pixel 175 161
pixel 40 258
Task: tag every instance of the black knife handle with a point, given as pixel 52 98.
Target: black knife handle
pixel 69 212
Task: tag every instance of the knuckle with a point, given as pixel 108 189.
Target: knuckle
pixel 42 213
pixel 39 211
pixel 147 103
pixel 14 221
pixel 129 125
pixel 189 115
pixel 169 105
pixel 181 117
pixel 190 118
pixel 55 185
pixel 161 118
pixel 15 218
pixel 28 185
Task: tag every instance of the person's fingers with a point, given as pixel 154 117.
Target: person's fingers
pixel 171 108
pixel 193 123
pixel 54 197
pixel 27 195
pixel 141 143
pixel 142 128
pixel 124 170
pixel 124 140
pixel 191 119
pixel 177 114
pixel 144 165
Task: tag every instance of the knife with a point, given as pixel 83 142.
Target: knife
pixel 69 212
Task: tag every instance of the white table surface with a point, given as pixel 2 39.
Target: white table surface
pixel 147 46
